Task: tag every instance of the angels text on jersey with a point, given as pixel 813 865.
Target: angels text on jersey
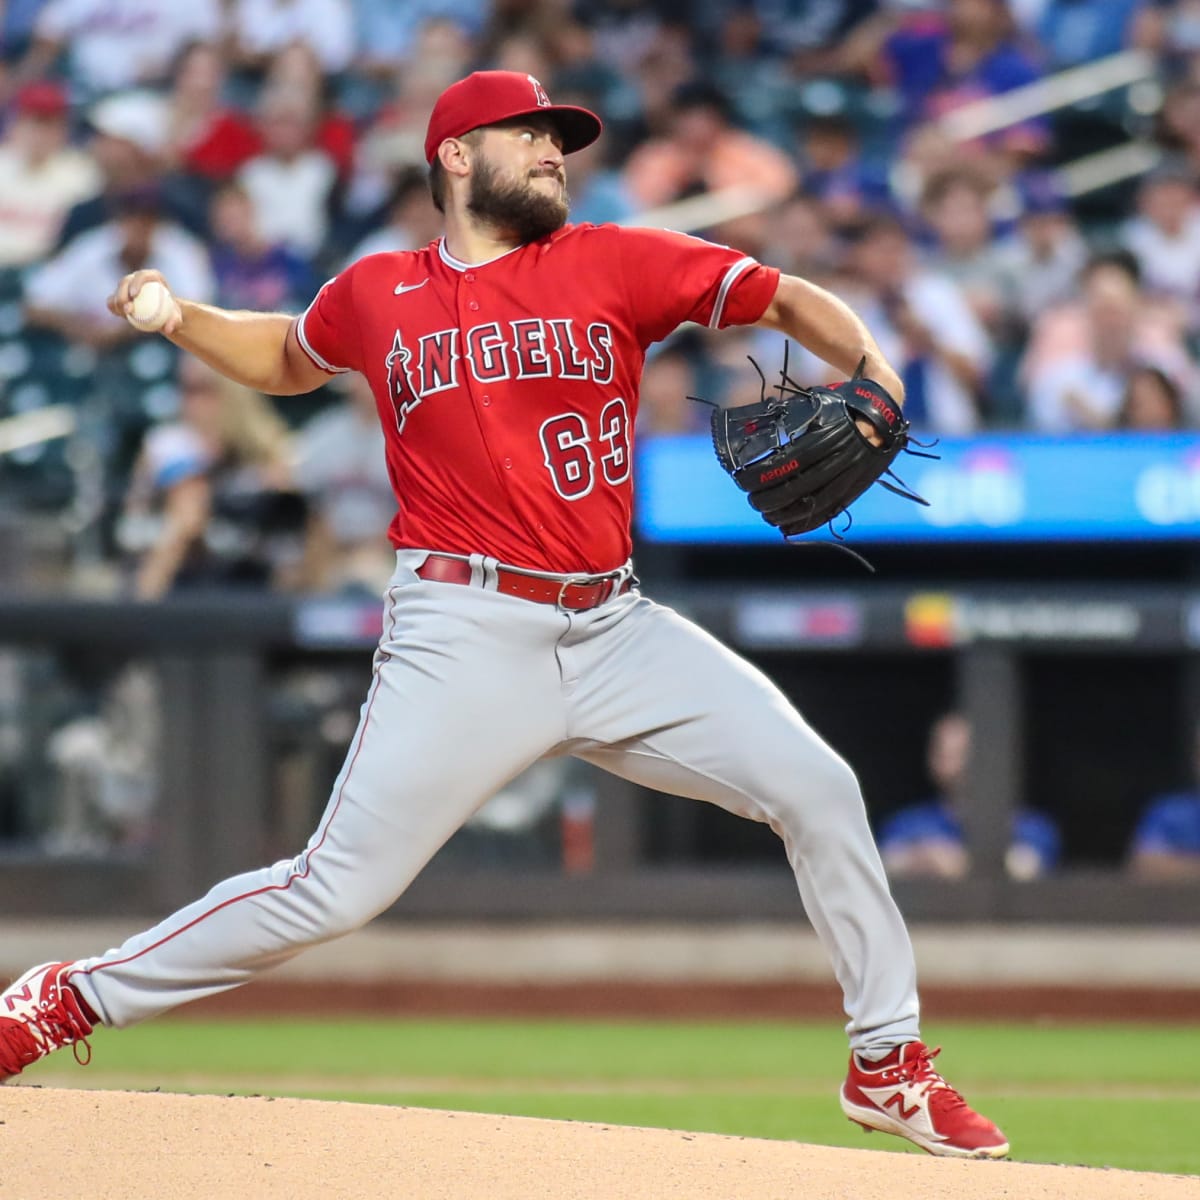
pixel 527 348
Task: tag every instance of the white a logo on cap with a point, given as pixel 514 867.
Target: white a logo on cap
pixel 543 101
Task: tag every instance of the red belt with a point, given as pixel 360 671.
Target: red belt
pixel 562 592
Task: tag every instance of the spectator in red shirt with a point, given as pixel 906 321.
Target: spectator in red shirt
pixel 212 139
pixel 207 137
pixel 296 68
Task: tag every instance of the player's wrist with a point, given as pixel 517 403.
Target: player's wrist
pixel 888 379
pixel 185 307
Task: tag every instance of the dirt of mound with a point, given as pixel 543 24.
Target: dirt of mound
pixel 128 1145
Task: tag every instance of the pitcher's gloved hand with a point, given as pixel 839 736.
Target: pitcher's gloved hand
pixel 801 455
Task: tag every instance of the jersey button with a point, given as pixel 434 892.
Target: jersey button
pixel 474 306
pixel 487 400
pixel 508 464
pixel 469 277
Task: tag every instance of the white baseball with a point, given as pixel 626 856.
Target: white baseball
pixel 151 307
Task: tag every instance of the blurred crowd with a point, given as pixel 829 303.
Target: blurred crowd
pixel 1037 270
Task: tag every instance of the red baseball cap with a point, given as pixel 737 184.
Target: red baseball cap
pixel 489 97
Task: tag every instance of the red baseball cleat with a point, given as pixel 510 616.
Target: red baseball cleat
pixel 904 1095
pixel 39 1013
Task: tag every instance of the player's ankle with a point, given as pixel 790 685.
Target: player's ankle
pixel 872 1056
pixel 89 1013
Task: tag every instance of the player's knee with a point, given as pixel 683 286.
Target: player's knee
pixel 841 783
pixel 352 907
pixel 830 780
pixel 820 796
pixel 336 903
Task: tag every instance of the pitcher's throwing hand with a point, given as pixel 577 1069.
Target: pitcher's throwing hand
pixel 144 299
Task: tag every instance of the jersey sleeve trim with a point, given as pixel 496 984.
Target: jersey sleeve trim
pixel 714 322
pixel 306 346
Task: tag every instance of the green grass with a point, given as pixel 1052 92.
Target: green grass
pixel 1105 1095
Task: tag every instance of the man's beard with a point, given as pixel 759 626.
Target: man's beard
pixel 519 209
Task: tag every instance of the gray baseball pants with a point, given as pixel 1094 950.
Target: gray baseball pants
pixel 469 688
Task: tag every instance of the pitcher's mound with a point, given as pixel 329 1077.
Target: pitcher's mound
pixel 133 1145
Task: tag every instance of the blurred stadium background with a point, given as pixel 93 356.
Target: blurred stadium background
pixel 1007 190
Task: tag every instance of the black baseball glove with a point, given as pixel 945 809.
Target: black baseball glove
pixel 800 455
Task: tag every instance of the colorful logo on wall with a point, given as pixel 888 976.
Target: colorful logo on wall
pixel 930 620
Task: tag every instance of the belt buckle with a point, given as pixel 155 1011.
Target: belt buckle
pixel 610 579
pixel 560 602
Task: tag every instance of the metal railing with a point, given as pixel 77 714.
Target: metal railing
pixel 978 118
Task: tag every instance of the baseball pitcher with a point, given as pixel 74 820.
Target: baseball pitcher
pixel 505 359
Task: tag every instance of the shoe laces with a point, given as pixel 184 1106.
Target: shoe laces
pixel 919 1069
pixel 56 1021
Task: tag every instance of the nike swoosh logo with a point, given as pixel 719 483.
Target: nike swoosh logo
pixel 401 288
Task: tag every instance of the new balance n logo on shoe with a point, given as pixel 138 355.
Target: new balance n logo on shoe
pixel 906 1114
pixel 13 998
pixel 915 1114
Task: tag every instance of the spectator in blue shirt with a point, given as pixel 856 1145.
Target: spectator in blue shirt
pixel 836 172
pixel 1166 842
pixel 1080 31
pixel 927 838
pixel 250 271
pixel 942 57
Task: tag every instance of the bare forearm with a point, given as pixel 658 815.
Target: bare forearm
pixel 186 512
pixel 830 329
pixel 249 347
pixel 260 350
pixel 158 569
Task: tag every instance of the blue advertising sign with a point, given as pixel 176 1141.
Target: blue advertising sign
pixel 1002 487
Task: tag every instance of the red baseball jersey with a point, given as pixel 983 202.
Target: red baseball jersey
pixel 508 389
